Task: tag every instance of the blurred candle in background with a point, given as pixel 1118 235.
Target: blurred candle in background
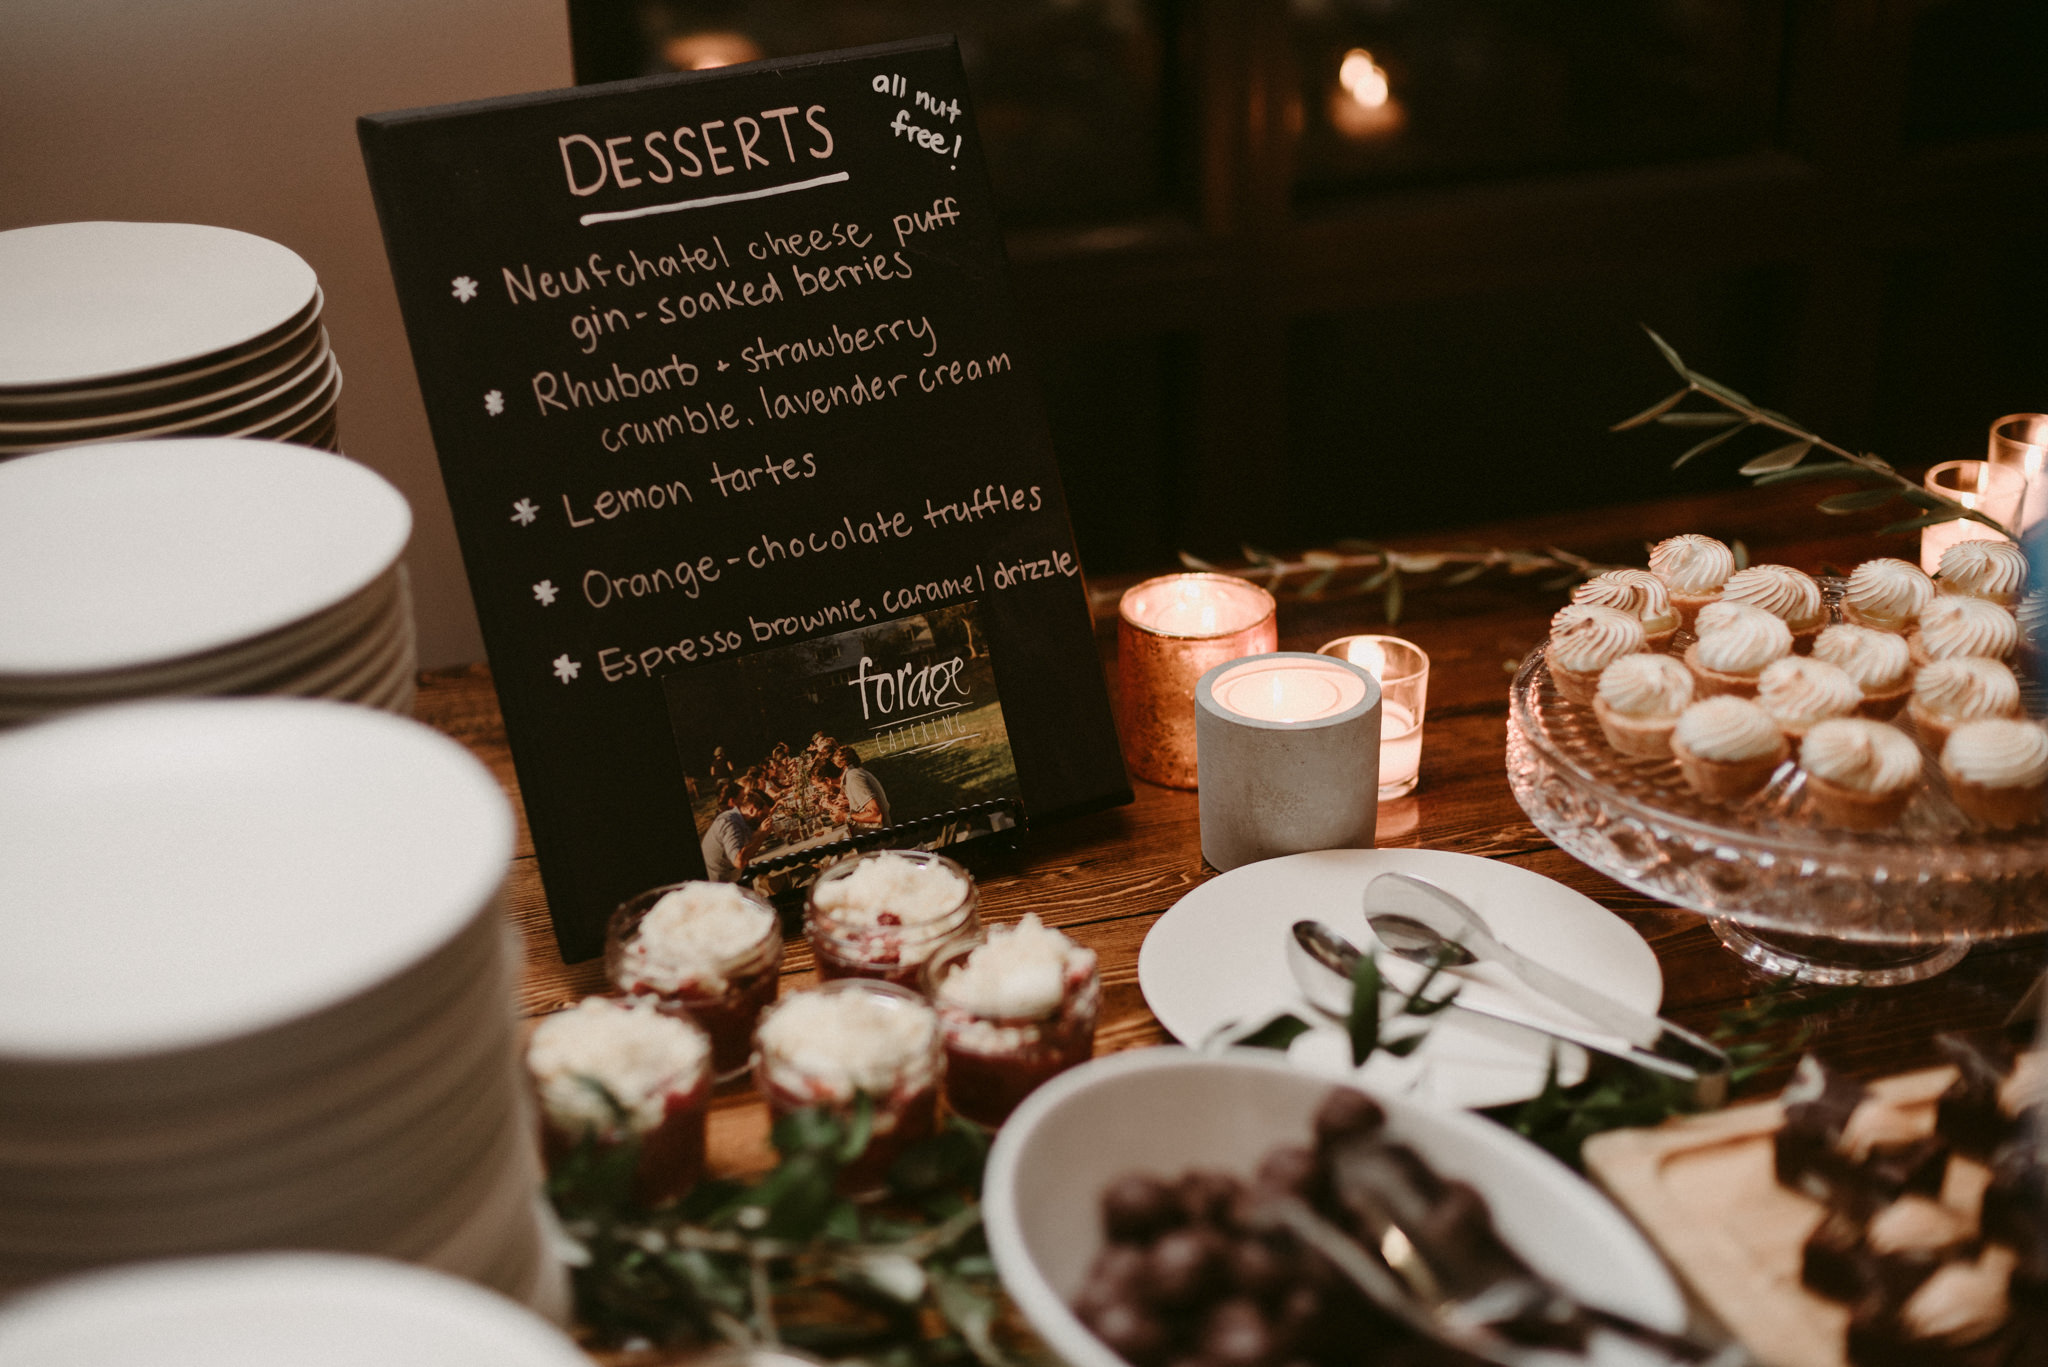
pixel 2020 441
pixel 1403 673
pixel 1363 106
pixel 1995 490
pixel 1171 631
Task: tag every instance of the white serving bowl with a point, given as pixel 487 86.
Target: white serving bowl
pixel 1165 1111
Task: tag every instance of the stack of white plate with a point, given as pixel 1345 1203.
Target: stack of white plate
pixel 200 565
pixel 259 1310
pixel 256 993
pixel 110 331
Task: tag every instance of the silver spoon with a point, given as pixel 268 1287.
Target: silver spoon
pixel 1418 920
pixel 1322 962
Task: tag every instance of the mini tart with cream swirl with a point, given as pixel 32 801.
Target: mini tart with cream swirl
pixel 1638 702
pixel 1785 593
pixel 1878 661
pixel 1586 638
pixel 1727 748
pixel 1860 774
pixel 1886 595
pixel 1948 693
pixel 1953 625
pixel 1997 771
pixel 1640 594
pixel 1800 692
pixel 1693 568
pixel 1737 643
pixel 1992 570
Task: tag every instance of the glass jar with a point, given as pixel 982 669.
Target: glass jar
pixel 995 1060
pixel 723 981
pixel 884 913
pixel 851 1038
pixel 588 1064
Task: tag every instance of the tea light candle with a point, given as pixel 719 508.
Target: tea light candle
pixel 1403 673
pixel 2020 441
pixel 1288 757
pixel 1995 490
pixel 1170 630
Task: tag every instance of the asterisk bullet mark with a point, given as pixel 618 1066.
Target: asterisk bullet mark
pixel 524 512
pixel 546 591
pixel 566 668
pixel 465 289
pixel 494 402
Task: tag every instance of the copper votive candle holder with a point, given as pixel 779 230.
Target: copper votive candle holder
pixel 2020 440
pixel 1170 631
pixel 1994 490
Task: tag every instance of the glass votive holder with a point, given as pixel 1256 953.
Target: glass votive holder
pixel 2020 441
pixel 1170 632
pixel 712 949
pixel 1017 1008
pixel 884 913
pixel 612 1070
pixel 856 1037
pixel 1403 671
pixel 1997 491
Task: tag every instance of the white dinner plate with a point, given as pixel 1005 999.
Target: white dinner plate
pixel 129 554
pixel 86 301
pixel 1220 954
pixel 179 873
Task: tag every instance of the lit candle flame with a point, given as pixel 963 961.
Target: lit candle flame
pixel 1363 79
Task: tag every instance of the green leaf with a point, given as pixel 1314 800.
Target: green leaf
pixel 1363 1025
pixel 1740 550
pixel 1857 500
pixel 1468 574
pixel 1709 444
pixel 1842 468
pixel 843 1223
pixel 1719 390
pixel 797 1198
pixel 1654 411
pixel 1426 562
pixel 1276 1033
pixel 1316 583
pixel 1710 419
pixel 860 1127
pixel 1922 499
pixel 952 1157
pixel 1258 557
pixel 1377 578
pixel 810 1130
pixel 1195 562
pixel 972 1312
pixel 1393 603
pixel 1778 458
pixel 1402 1048
pixel 1914 524
pixel 1669 355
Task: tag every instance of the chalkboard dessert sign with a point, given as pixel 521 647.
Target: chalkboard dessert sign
pixel 723 366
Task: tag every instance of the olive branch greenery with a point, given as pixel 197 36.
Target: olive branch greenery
pixel 785 1259
pixel 1355 568
pixel 1738 414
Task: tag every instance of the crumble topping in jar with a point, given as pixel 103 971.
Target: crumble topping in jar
pixel 853 1038
pixel 882 915
pixel 1017 1009
pixel 712 948
pixel 609 1069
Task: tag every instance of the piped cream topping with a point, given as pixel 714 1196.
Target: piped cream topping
pixel 1020 973
pixel 1996 570
pixel 2002 752
pixel 1877 660
pixel 1727 729
pixel 1953 625
pixel 1888 594
pixel 1799 691
pixel 1739 638
pixel 1779 590
pixel 692 936
pixel 1859 754
pixel 1638 593
pixel 1646 686
pixel 627 1048
pixel 1967 688
pixel 1692 564
pixel 1586 638
pixel 852 1040
pixel 913 891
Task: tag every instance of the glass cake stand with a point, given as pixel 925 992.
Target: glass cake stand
pixel 1790 896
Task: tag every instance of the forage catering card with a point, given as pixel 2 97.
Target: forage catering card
pixel 720 366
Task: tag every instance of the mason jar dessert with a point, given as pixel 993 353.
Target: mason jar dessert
pixel 713 949
pixel 852 1038
pixel 884 914
pixel 1017 1008
pixel 610 1071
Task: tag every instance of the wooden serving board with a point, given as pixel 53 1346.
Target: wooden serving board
pixel 1704 1189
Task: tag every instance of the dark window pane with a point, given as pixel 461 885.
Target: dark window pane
pixel 1977 69
pixel 1449 412
pixel 1077 107
pixel 1116 408
pixel 1415 91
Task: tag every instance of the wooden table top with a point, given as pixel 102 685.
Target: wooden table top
pixel 1105 878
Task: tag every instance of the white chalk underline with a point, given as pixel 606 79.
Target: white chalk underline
pixel 652 209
